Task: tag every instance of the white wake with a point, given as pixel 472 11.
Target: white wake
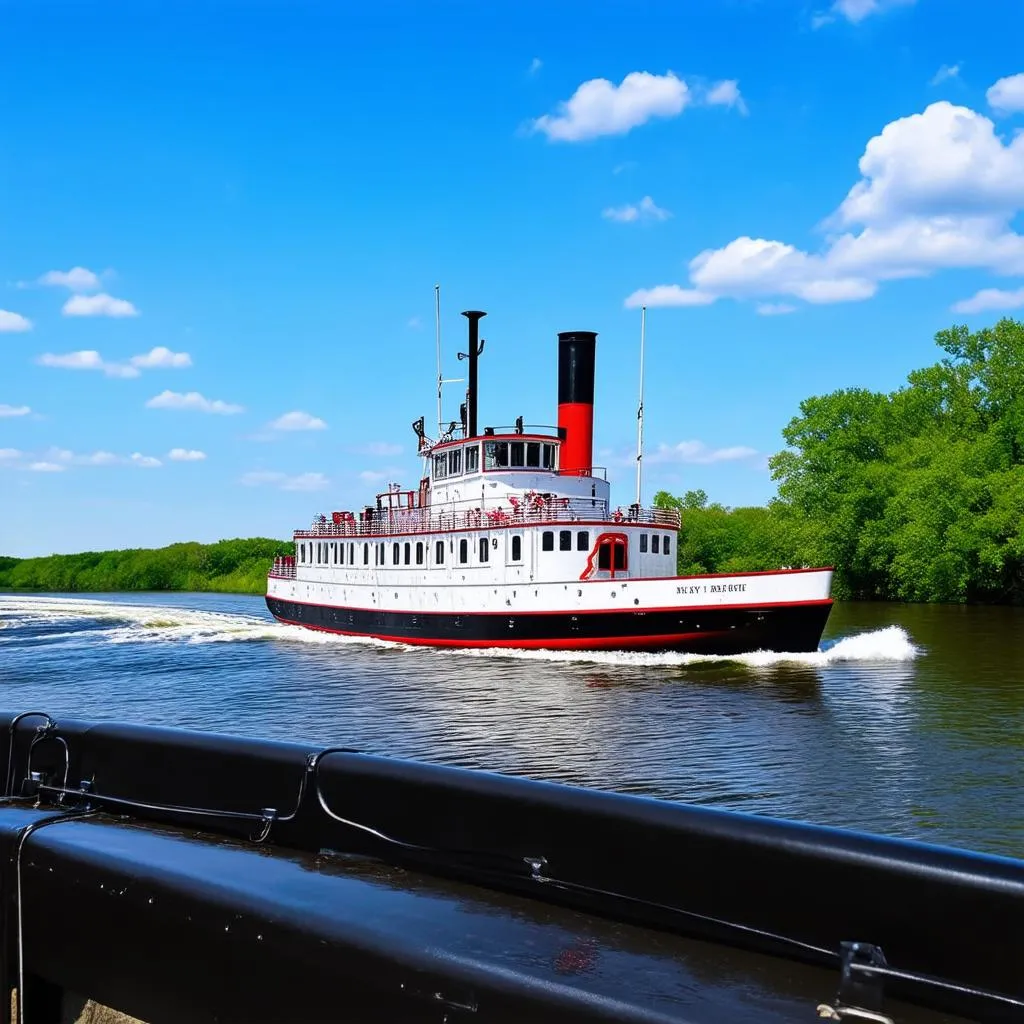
pixel 127 622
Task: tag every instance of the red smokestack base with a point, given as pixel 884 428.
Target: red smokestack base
pixel 576 400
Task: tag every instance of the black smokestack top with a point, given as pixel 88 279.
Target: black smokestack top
pixel 474 317
pixel 576 367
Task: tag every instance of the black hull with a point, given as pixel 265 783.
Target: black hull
pixel 795 628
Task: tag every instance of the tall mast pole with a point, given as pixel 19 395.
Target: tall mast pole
pixel 437 332
pixel 640 408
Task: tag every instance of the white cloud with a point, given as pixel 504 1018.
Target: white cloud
pixel 1007 95
pixel 161 358
pixel 186 455
pixel 46 467
pixel 97 459
pixel 775 308
pixel 697 452
pixel 535 65
pixel 144 461
pixel 297 482
pixel 726 94
pixel 990 298
pixel 9 454
pixel 646 209
pixel 86 359
pixel 98 305
pixel 384 449
pixel 77 279
pixel 372 476
pixel 669 295
pixel 855 10
pixel 937 190
pixel 192 400
pixel 298 421
pixel 13 322
pixel 13 410
pixel 946 72
pixel 598 107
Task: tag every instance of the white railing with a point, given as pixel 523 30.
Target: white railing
pixel 428 520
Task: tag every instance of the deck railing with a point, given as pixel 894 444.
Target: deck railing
pixel 432 520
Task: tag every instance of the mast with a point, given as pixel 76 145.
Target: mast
pixel 437 332
pixel 640 408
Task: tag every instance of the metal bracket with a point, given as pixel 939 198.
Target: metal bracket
pixel 861 993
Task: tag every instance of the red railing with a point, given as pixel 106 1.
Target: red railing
pixel 556 510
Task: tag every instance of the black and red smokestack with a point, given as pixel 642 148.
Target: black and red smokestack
pixel 474 316
pixel 576 399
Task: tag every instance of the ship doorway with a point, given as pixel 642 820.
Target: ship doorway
pixel 612 556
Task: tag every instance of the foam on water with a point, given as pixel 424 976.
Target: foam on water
pixel 128 622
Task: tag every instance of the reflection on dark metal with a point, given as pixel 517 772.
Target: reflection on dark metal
pixel 192 877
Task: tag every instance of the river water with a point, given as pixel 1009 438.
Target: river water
pixel 909 721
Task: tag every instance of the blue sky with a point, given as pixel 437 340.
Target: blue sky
pixel 221 226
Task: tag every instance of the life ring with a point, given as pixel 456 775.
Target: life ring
pixel 618 515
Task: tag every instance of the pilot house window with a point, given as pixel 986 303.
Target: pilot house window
pixel 472 459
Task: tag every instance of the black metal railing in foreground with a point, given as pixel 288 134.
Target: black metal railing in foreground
pixel 179 875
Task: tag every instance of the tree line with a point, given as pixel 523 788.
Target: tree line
pixel 231 566
pixel 912 495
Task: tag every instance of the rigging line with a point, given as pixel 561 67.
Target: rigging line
pixel 28 830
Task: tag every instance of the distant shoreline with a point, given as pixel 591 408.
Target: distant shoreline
pixel 236 566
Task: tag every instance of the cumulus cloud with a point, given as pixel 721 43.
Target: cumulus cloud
pixel 144 461
pixel 697 452
pixel 194 401
pixel 855 11
pixel 161 358
pixel 646 209
pixel 186 455
pixel 946 72
pixel 77 279
pixel 9 454
pixel 100 304
pixel 46 467
pixel 599 107
pixel 726 94
pixel 1007 95
pixel 13 322
pixel 298 420
pixel 775 308
pixel 284 481
pixel 936 190
pixel 13 410
pixel 989 299
pixel 87 359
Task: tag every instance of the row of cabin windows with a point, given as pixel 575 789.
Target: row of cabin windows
pixel 657 541
pixel 331 553
pixel 497 455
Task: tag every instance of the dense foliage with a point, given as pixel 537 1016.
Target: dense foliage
pixel 916 495
pixel 235 566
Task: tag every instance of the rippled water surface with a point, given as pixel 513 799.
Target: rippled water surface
pixel 909 721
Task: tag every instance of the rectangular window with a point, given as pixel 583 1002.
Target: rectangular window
pixel 655 541
pixel 604 556
pixel 496 455
pixel 419 552
pixel 643 543
pixel 516 452
pixel 394 553
pixel 302 552
pixel 341 554
pixel 583 541
pixel 366 554
pixel 463 551
pixel 380 552
pixel 666 547
pixel 455 462
pixel 565 540
pixel 472 459
pixel 533 454
pixel 440 466
pixel 352 554
pixel 485 549
pixel 517 548
pixel 548 456
pixel 408 552
pixel 547 541
pixel 439 553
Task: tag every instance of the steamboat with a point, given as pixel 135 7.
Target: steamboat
pixel 511 540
